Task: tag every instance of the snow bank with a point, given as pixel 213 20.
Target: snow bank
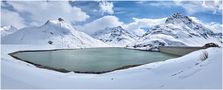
pixel 189 71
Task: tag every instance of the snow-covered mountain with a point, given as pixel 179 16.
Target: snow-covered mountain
pixel 116 36
pixel 178 30
pixel 6 30
pixel 53 32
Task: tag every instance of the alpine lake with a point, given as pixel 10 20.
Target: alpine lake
pixel 89 60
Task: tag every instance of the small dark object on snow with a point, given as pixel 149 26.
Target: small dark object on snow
pixel 50 42
pixel 60 19
pixel 210 45
pixel 51 33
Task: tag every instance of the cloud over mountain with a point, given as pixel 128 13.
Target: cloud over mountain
pixel 39 12
pixel 100 24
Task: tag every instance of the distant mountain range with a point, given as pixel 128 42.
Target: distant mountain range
pixel 177 30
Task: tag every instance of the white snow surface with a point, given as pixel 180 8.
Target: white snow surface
pixel 186 72
pixel 58 33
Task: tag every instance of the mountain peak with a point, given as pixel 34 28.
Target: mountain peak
pixel 56 21
pixel 118 28
pixel 114 28
pixel 60 19
pixel 177 15
pixel 116 36
pixel 178 18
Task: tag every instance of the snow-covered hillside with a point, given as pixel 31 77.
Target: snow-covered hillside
pixel 178 30
pixel 6 30
pixel 191 71
pixel 53 32
pixel 116 36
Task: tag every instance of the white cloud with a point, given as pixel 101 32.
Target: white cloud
pixel 200 6
pixel 106 7
pixel 137 25
pixel 165 4
pixel 11 18
pixel 40 11
pixel 100 24
pixel 195 19
pixel 190 6
pixel 215 27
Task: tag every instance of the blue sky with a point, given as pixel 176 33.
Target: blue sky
pixel 96 15
pixel 126 10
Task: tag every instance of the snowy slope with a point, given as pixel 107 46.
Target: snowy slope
pixel 6 30
pixel 53 32
pixel 179 73
pixel 178 30
pixel 116 36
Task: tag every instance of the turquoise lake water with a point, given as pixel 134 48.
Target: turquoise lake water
pixel 92 60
